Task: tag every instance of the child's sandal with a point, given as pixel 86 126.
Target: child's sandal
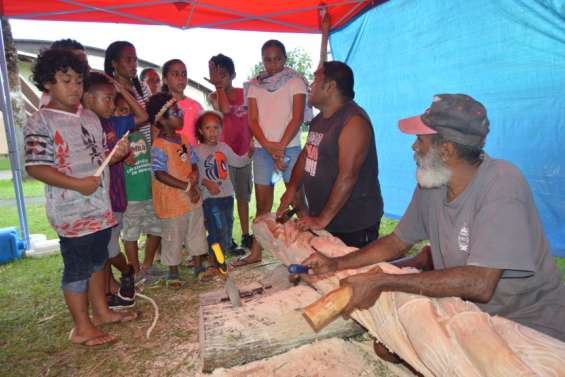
pixel 208 275
pixel 174 283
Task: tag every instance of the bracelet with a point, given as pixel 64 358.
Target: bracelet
pixel 188 185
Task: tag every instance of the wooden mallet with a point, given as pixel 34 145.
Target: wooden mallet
pixel 325 310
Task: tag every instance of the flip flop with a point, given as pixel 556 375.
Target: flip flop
pixel 174 283
pixel 208 275
pixel 244 261
pixel 95 341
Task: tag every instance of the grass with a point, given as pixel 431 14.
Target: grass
pixel 561 264
pixel 36 217
pixel 30 186
pixel 4 163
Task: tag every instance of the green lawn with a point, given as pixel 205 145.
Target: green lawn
pixel 4 163
pixel 561 264
pixel 36 218
pixel 30 186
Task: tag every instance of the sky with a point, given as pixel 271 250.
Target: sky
pixel 161 43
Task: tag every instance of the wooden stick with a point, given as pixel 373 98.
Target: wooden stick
pixel 109 157
pixel 328 308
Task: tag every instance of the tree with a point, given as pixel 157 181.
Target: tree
pixel 18 107
pixel 297 59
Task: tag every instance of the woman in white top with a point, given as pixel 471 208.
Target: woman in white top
pixel 276 106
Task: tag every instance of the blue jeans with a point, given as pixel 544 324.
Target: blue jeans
pixel 218 218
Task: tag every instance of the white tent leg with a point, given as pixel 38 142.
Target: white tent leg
pixel 6 107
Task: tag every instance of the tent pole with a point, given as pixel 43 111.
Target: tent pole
pixel 8 116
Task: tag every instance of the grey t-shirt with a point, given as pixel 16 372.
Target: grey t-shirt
pixel 75 145
pixel 493 223
pixel 213 161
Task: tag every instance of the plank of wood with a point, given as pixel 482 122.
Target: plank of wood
pixel 265 325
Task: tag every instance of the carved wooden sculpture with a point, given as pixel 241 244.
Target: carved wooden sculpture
pixel 436 336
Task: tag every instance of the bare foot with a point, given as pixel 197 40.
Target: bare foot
pixel 114 317
pixel 91 337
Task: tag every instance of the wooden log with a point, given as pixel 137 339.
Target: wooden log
pixel 265 325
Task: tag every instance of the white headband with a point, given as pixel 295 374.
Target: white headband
pixel 164 109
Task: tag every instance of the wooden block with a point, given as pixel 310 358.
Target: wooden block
pixel 265 325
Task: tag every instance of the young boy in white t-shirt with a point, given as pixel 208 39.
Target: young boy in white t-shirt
pixel 64 146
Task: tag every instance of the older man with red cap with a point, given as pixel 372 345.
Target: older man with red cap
pixel 487 241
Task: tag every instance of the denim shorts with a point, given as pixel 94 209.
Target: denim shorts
pixel 263 165
pixel 81 257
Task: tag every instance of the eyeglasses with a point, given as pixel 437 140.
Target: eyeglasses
pixel 175 113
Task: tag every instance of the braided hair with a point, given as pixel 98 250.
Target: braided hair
pixel 112 54
pixel 155 104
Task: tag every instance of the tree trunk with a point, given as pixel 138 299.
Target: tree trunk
pixel 18 108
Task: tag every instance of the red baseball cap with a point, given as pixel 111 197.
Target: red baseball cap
pixel 415 126
pixel 456 117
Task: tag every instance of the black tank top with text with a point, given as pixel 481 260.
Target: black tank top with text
pixel 365 205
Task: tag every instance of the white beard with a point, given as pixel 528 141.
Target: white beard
pixel 431 171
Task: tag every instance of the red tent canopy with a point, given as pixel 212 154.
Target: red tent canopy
pixel 261 15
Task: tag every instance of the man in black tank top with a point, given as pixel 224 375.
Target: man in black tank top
pixel 338 166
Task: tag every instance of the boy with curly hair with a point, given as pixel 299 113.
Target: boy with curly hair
pixel 64 146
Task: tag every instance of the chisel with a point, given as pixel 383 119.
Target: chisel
pixel 296 269
pixel 286 215
pixel 230 287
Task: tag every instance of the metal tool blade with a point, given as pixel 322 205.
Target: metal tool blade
pixel 232 291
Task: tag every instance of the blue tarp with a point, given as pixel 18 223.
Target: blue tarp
pixel 508 54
